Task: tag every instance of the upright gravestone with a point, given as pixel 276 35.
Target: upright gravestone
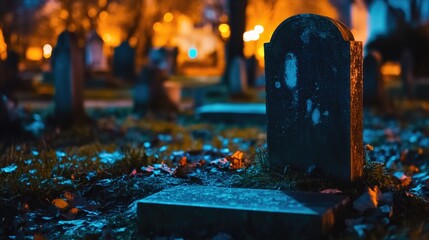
pixel 124 62
pixel 372 80
pixel 68 69
pixel 314 97
pixel 237 76
pixel 95 59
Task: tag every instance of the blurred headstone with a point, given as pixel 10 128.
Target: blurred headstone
pixel 152 92
pixel 407 73
pixel 237 76
pixel 95 59
pixel 124 62
pixel 251 70
pixel 171 59
pixel 372 80
pixel 9 73
pixel 314 97
pixel 68 69
pixel 245 213
pixel 10 121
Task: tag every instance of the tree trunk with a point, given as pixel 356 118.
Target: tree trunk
pixel 237 23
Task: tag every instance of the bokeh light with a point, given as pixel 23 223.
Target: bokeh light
pixel 104 15
pixel 47 51
pixel 192 53
pixel 157 26
pixel 224 30
pixel 259 29
pixel 168 17
pixel 34 54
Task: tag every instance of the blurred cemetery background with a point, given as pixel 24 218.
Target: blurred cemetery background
pixel 98 94
pixel 200 43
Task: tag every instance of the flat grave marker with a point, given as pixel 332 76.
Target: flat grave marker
pixel 262 213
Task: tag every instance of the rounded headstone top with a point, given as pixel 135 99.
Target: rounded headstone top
pixel 66 39
pixel 303 25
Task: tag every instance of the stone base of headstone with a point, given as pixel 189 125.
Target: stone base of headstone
pixel 250 213
pixel 233 113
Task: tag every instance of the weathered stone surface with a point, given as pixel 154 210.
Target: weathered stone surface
pixel 263 214
pixel 68 69
pixel 372 79
pixel 233 113
pixel 314 97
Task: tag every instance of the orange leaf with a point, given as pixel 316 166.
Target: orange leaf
pixel 69 196
pixel 60 203
pixel 182 161
pixel 74 210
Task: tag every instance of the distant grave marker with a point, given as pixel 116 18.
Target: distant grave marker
pixel 314 97
pixel 238 76
pixel 95 59
pixel 124 62
pixel 372 79
pixel 68 69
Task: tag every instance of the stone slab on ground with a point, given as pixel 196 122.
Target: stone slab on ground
pixel 233 113
pixel 259 213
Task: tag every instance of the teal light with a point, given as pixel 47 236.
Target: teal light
pixel 193 53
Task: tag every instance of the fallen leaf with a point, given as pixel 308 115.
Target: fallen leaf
pixel 236 160
pixel 74 210
pixel 133 173
pixel 368 200
pixel 182 161
pixel 184 171
pixel 369 147
pixel 405 180
pixel 69 196
pixel 60 203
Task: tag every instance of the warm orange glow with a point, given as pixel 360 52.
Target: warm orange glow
pixel 359 20
pixel 3 55
pixel 157 26
pixel 224 30
pixel 64 14
pixel 168 17
pixel 47 51
pixel 133 41
pixel 34 54
pixel 260 52
pixel 71 27
pixel 104 15
pixel 92 12
pixel 223 27
pixel 102 3
pixel 3 47
pixel 86 24
pixel 391 68
pixel 269 14
pixel 111 38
